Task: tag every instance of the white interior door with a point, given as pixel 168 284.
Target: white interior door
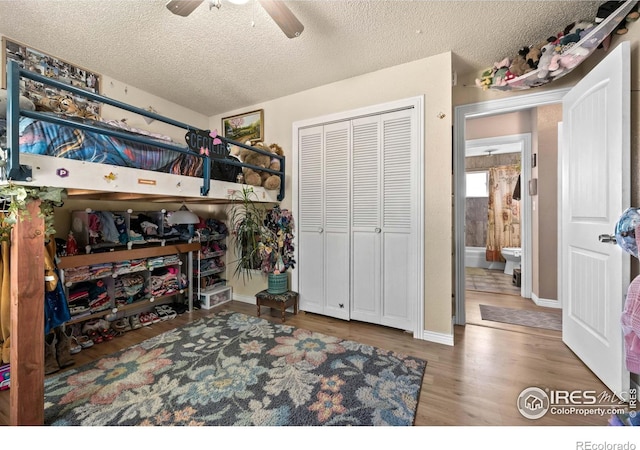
pixel 337 141
pixel 594 176
pixel 311 260
pixel 365 226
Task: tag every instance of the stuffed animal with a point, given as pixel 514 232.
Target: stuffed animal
pixel 269 180
pixel 607 8
pixel 486 79
pixel 519 64
pixel 500 72
pixel 68 106
pixel 533 55
pixel 25 103
pixel 251 176
pixel 548 51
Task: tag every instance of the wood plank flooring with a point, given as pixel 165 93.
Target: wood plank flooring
pixel 475 382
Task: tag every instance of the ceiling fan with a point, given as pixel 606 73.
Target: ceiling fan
pixel 278 11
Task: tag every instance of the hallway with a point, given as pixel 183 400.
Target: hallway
pixel 495 288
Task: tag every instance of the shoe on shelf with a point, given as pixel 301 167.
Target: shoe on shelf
pixel 145 319
pixel 75 346
pixel 161 313
pixel 121 325
pixel 84 341
pixel 171 313
pixel 135 322
pixel 154 317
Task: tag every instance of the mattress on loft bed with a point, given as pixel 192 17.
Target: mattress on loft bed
pixel 50 139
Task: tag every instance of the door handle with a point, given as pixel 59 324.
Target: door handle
pixel 378 230
pixel 607 239
pixel 320 230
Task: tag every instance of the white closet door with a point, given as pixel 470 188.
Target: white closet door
pixel 311 258
pixel 337 141
pixel 383 219
pixel 365 229
pixel 398 220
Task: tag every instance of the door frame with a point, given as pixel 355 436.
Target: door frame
pixel 417 104
pixel 461 114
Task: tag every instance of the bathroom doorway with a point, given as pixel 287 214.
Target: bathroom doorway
pixel 496 169
pixel 536 103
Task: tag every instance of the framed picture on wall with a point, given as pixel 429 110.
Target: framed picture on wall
pixel 40 62
pixel 244 127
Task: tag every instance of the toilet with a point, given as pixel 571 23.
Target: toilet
pixel 512 256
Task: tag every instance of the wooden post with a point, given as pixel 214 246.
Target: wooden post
pixel 26 400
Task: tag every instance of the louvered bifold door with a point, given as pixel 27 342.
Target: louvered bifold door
pixel 365 220
pixel 311 258
pixel 398 234
pixel 337 141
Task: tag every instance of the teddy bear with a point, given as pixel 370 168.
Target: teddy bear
pixel 253 177
pixel 271 181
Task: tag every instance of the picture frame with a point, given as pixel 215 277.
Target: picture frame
pixel 40 62
pixel 244 127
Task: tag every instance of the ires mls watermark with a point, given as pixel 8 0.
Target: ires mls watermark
pixel 534 402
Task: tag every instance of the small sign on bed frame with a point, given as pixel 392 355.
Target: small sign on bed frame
pixel 203 142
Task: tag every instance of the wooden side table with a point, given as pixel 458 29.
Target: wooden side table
pixel 278 301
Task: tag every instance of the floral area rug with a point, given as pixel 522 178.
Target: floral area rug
pixel 234 369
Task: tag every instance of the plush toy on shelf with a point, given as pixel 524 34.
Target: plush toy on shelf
pixel 269 180
pixel 607 8
pixel 255 177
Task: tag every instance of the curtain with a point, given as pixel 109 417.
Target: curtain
pixel 503 228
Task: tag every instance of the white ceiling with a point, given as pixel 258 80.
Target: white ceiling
pixel 220 60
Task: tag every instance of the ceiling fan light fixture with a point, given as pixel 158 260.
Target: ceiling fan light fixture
pixel 239 2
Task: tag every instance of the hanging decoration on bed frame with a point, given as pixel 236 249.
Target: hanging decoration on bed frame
pixel 206 143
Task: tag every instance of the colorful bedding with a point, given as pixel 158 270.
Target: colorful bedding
pixel 44 138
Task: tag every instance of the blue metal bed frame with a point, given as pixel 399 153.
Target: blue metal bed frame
pixel 17 172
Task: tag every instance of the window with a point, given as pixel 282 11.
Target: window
pixel 477 184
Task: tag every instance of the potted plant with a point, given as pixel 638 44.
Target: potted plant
pixel 276 249
pixel 246 219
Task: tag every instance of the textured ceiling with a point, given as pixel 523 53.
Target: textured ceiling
pixel 220 60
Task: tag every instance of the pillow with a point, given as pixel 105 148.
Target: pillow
pixel 25 103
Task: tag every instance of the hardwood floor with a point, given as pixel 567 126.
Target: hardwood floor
pixel 475 382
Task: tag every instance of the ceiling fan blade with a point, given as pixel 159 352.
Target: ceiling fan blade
pixel 283 17
pixel 183 7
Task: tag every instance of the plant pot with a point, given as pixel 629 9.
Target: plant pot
pixel 277 283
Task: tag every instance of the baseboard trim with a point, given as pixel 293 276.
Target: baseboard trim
pixel 438 338
pixel 547 303
pixel 245 298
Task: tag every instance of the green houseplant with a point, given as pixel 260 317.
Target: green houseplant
pixel 247 230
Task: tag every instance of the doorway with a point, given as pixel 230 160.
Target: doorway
pixel 509 155
pixel 462 113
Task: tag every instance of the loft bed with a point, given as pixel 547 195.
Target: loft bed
pixel 137 167
pixel 91 157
